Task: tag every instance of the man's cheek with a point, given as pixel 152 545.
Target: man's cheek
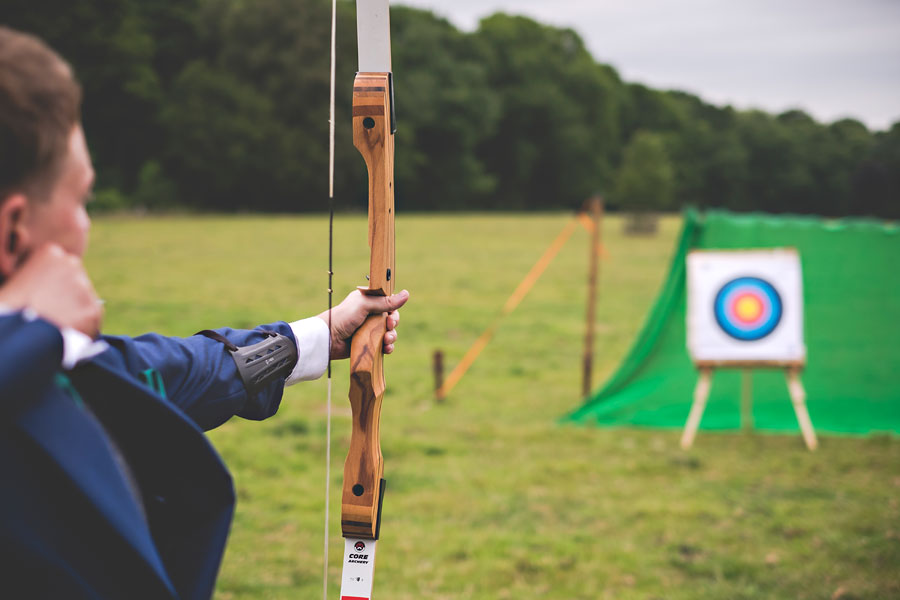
pixel 80 232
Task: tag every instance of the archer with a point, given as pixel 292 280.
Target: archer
pixel 110 488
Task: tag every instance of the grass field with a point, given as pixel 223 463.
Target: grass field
pixel 488 496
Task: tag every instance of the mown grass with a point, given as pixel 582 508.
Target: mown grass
pixel 488 496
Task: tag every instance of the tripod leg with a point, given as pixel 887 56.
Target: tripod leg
pixel 798 399
pixel 701 393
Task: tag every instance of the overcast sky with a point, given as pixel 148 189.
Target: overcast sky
pixel 831 58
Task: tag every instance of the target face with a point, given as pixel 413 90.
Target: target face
pixel 745 306
pixel 748 308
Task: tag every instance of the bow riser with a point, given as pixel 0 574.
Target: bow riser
pixel 363 469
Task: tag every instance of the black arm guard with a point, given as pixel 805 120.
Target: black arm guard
pixel 263 362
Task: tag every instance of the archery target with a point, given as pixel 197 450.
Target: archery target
pixel 745 305
pixel 747 308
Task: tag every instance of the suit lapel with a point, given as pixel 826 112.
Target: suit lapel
pixel 188 492
pixel 77 443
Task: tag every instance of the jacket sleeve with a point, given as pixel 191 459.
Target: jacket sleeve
pixel 31 351
pixel 199 374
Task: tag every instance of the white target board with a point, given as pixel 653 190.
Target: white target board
pixel 745 306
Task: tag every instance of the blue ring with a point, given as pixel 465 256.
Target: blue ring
pixel 734 330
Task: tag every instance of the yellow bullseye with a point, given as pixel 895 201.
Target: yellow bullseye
pixel 748 308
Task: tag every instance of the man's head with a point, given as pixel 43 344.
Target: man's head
pixel 45 169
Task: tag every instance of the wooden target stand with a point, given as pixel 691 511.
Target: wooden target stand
pixel 792 371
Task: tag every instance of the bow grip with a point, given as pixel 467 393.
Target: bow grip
pixel 364 467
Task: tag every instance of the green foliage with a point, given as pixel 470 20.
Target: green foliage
pixel 653 110
pixel 708 157
pixel 229 99
pixel 111 52
pixel 108 200
pixel 557 127
pixel 225 138
pixel 445 110
pixel 876 180
pixel 155 191
pixel 488 497
pixel 276 52
pixel 645 180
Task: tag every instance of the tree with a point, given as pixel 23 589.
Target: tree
pixel 223 105
pixel 876 181
pixel 224 142
pixel 558 114
pixel 646 180
pixel 107 44
pixel 445 111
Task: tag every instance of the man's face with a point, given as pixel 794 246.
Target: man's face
pixel 62 218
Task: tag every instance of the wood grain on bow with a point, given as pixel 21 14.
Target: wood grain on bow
pixel 363 469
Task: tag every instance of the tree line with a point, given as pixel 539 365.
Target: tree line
pixel 223 105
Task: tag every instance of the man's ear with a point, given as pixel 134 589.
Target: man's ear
pixel 13 233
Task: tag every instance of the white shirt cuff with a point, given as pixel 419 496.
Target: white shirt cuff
pixel 313 346
pixel 78 347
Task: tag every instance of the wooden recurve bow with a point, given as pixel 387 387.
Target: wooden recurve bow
pixel 373 136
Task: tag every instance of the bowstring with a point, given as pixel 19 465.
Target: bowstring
pixel 330 288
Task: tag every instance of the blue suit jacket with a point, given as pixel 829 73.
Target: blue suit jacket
pixel 75 523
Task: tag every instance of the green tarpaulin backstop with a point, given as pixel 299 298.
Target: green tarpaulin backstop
pixel 851 290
